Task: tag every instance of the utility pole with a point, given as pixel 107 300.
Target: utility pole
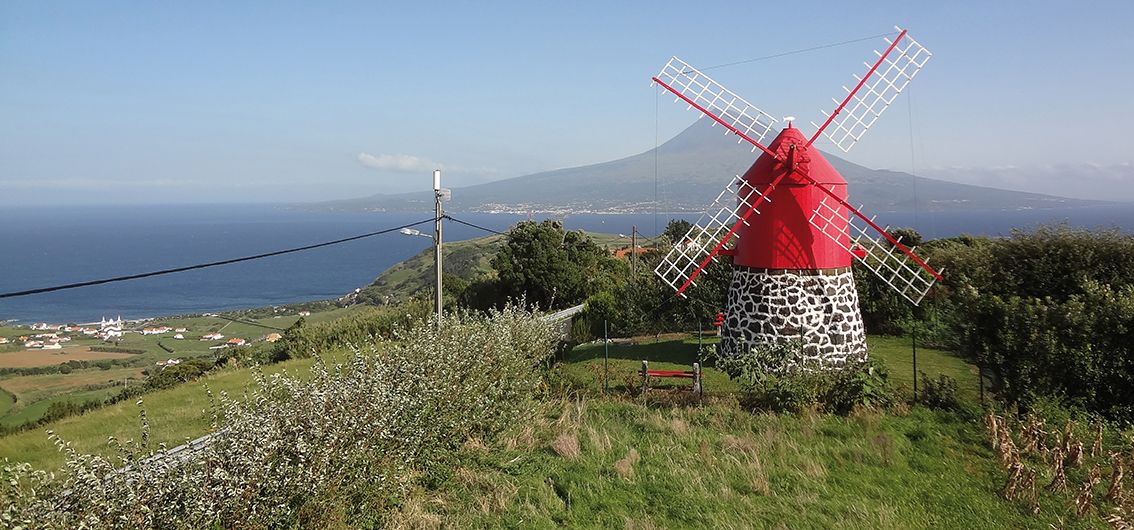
pixel 437 240
pixel 634 250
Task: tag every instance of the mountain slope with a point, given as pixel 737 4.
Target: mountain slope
pixel 691 170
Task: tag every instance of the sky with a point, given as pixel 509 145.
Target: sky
pixel 131 102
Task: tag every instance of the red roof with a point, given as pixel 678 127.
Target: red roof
pixel 782 236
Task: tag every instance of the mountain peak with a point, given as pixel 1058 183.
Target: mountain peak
pixel 687 173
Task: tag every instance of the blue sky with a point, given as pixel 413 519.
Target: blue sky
pixel 122 102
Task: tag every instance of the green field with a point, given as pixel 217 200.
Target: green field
pixel 583 366
pixel 176 414
pixel 7 400
pixel 76 386
pixel 589 460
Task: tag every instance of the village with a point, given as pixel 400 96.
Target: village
pixel 207 332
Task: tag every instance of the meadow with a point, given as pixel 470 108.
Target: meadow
pixel 28 394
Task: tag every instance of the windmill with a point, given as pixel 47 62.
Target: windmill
pixel 787 224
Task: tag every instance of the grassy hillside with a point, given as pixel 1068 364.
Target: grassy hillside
pixel 466 259
pixel 669 461
pixel 469 260
pixel 175 414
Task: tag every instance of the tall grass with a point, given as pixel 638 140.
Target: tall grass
pixel 621 463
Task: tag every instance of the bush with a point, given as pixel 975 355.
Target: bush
pixel 866 384
pixel 771 378
pixel 303 340
pixel 355 436
pixel 178 373
pixel 1048 312
pixel 940 393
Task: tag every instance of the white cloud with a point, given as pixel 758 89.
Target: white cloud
pixel 416 164
pixel 399 163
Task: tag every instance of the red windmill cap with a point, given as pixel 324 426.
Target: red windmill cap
pixel 807 160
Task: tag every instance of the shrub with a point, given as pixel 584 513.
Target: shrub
pixel 772 378
pixel 940 393
pixel 302 339
pixel 179 373
pixel 1048 312
pixel 865 384
pixel 356 434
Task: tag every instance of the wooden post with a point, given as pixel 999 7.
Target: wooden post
pixel 913 343
pixel 605 358
pixel 697 379
pixel 645 376
pixel 699 346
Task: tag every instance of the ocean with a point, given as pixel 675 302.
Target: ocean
pixel 42 247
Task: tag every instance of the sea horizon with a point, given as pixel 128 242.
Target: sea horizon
pixel 47 246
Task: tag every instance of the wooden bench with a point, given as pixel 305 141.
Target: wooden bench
pixel 695 375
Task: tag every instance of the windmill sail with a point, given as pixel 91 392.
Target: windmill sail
pixel 884 80
pixel 876 249
pixel 717 102
pixel 911 276
pixel 734 206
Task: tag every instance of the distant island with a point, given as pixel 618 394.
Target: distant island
pixel 692 168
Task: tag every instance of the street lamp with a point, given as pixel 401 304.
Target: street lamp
pixel 413 232
pixel 439 194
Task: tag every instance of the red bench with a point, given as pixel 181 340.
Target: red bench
pixel 695 375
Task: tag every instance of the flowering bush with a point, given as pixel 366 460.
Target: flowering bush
pixel 342 446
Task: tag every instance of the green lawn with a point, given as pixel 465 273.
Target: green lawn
pixel 583 366
pixel 610 463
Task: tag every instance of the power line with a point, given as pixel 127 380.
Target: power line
pixel 454 219
pixel 804 50
pixel 205 265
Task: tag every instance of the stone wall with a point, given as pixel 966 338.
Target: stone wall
pixel 819 307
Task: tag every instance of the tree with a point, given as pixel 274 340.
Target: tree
pixel 551 267
pixel 907 236
pixel 676 229
pixel 1049 312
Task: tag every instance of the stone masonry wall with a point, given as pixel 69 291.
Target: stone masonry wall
pixel 821 307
